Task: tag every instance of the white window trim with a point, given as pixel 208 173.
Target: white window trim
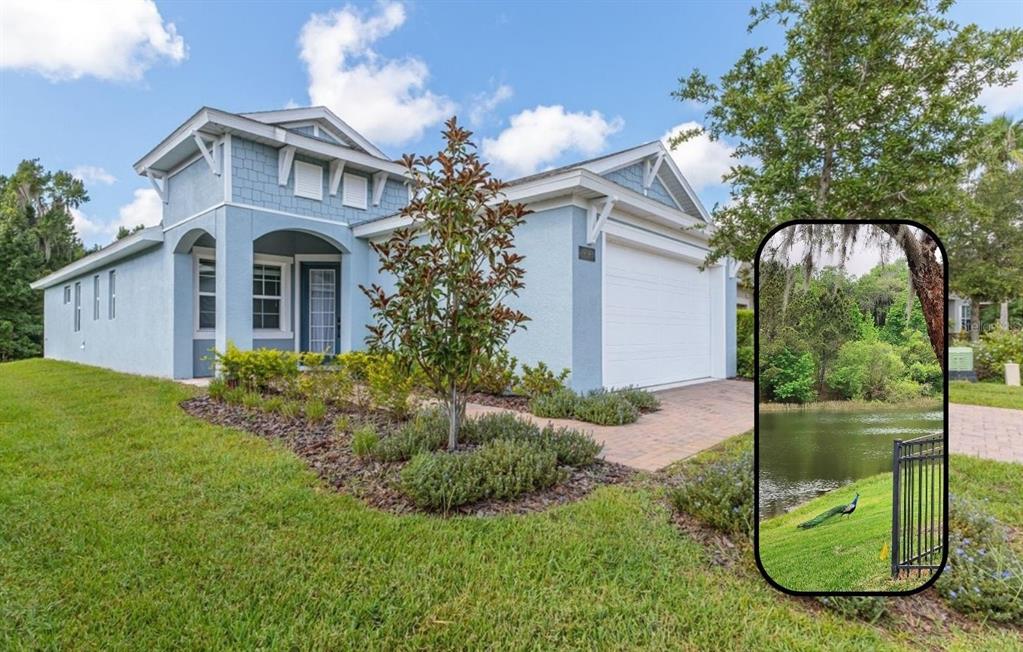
pixel 311 168
pixel 112 294
pixel 345 195
pixel 284 262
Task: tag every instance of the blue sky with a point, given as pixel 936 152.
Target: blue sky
pixel 93 89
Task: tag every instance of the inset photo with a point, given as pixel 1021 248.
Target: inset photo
pixel 851 455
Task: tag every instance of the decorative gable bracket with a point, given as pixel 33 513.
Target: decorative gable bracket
pixel 379 182
pixel 651 168
pixel 337 168
pixel 159 182
pixel 595 220
pixel 285 157
pixel 209 151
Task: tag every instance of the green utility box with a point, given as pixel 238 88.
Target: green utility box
pixel 960 363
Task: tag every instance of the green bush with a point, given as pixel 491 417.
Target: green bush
pixel 496 375
pixel 365 440
pixel 788 377
pixel 217 388
pixel 995 348
pixel 497 425
pixel 540 380
pixel 291 409
pixel 641 399
pixel 315 410
pixel 256 370
pixel 427 432
pixel 252 400
pixel 310 359
pixel 559 405
pixel 744 323
pixel 390 388
pixel 744 361
pixel 720 494
pixel 861 607
pixel 929 377
pixel 272 404
pixel 356 363
pixel 571 447
pixel 441 481
pixel 868 371
pixel 605 409
pixel 509 468
pixel 984 574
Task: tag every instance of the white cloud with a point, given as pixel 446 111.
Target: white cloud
pixel 483 104
pixel 145 208
pixel 1004 99
pixel 540 136
pixel 93 174
pixel 69 40
pixel 702 161
pixel 384 99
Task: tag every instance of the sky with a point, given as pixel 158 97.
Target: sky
pixel 90 87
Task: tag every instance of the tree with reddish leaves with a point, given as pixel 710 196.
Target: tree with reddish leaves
pixel 455 267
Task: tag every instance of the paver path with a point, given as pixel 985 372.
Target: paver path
pixel 691 419
pixel 994 433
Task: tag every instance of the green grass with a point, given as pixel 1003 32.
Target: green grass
pixel 127 524
pixel 844 553
pixel 989 394
pixel 998 485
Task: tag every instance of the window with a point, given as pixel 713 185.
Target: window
pixel 207 291
pixel 95 297
pixel 266 296
pixel 356 189
pixel 964 317
pixel 308 180
pixel 67 294
pixel 112 294
pixel 78 307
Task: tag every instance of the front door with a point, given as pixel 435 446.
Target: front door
pixel 320 318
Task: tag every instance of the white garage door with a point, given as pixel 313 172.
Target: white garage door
pixel 656 318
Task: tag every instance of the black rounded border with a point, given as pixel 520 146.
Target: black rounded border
pixel 756 411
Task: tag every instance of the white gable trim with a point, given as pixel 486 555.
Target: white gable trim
pixel 311 113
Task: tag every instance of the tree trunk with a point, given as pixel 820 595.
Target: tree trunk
pixel 928 281
pixel 1003 316
pixel 454 418
pixel 974 319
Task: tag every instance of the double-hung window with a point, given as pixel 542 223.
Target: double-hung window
pixel 78 306
pixel 267 282
pixel 67 294
pixel 965 321
pixel 95 297
pixel 112 294
pixel 207 289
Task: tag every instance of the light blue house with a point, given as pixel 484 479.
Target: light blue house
pixel 267 220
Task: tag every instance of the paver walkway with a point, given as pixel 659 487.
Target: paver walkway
pixel 994 433
pixel 691 419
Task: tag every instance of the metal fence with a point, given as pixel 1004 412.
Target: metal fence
pixel 918 505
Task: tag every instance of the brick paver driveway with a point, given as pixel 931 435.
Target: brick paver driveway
pixel 691 419
pixel 994 433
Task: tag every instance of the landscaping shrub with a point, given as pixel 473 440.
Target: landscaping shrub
pixel 441 481
pixel 255 370
pixel 498 425
pixel 496 375
pixel 356 363
pixel 291 409
pixel 996 347
pixel 234 395
pixel 365 440
pixel 641 399
pixel 315 410
pixel 788 377
pixel 272 404
pixel 984 575
pixel 559 405
pixel 217 388
pixel 509 468
pixel 720 494
pixel 862 607
pixel 744 367
pixel 744 323
pixel 427 432
pixel 390 388
pixel 310 359
pixel 540 380
pixel 571 447
pixel 606 409
pixel 252 400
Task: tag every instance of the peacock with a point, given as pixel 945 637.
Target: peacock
pixel 834 511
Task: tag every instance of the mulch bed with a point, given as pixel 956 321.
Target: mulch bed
pixel 329 453
pixel 517 403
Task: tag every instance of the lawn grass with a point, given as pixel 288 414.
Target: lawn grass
pixel 127 524
pixel 844 553
pixel 997 485
pixel 988 394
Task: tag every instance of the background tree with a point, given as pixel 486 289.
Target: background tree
pixel 454 267
pixel 866 113
pixel 37 236
pixel 123 231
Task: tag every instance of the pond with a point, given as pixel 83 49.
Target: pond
pixel 804 453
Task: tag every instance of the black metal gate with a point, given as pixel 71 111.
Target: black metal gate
pixel 918 505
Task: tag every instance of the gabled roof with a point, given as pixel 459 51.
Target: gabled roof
pixel 326 119
pixel 668 173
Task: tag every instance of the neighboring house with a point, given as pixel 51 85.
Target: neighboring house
pixel 267 220
pixel 958 314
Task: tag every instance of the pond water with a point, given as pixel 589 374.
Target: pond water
pixel 804 453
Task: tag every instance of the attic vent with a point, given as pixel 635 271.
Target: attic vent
pixel 355 190
pixel 308 180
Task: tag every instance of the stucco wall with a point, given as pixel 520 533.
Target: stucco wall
pixel 192 190
pixel 136 340
pixel 254 182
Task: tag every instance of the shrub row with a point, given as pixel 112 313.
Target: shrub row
pixel 606 408
pixel 720 494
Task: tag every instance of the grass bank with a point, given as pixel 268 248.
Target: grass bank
pixel 853 406
pixel 987 394
pixel 127 524
pixel 844 553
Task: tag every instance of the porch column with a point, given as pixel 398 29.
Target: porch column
pixel 182 297
pixel 234 279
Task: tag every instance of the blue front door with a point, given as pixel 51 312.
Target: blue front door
pixel 320 327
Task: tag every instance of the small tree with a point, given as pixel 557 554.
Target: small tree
pixel 454 267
